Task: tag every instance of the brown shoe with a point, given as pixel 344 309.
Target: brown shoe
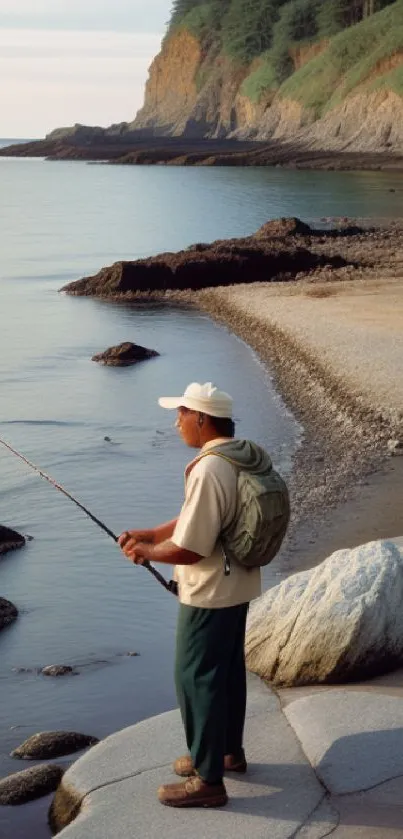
pixel 193 793
pixel 183 766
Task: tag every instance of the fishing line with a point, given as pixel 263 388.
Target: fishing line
pixel 168 585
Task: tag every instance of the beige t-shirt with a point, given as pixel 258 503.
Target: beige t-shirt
pixel 210 502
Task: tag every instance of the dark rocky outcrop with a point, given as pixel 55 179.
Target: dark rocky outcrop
pixel 174 151
pixel 8 612
pixel 57 670
pixel 49 744
pixel 278 251
pixel 282 227
pixel 30 784
pixel 123 355
pixel 10 539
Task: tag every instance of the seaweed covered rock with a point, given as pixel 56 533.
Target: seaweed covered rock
pixel 57 670
pixel 49 744
pixel 10 539
pixel 124 354
pixel 8 612
pixel 276 252
pixel 30 784
pixel 282 227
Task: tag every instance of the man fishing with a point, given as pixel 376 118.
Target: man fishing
pixel 214 595
pixel 233 521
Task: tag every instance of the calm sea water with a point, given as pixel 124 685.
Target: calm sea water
pixel 80 602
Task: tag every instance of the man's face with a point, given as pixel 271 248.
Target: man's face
pixel 188 427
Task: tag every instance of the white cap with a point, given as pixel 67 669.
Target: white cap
pixel 204 398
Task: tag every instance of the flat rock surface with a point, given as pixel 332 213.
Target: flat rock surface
pixel 353 739
pixel 119 779
pixel 370 815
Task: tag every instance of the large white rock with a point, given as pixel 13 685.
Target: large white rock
pixel 335 623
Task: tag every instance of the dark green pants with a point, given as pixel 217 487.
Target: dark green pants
pixel 210 681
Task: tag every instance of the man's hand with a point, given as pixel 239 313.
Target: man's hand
pixel 134 544
pixel 142 535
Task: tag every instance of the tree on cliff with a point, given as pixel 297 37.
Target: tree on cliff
pixel 298 21
pixel 247 29
pixel 335 15
pixel 202 17
pixel 181 8
pixel 248 26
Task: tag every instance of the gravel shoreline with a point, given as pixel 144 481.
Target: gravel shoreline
pixel 346 433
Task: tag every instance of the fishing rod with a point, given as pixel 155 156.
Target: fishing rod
pixel 168 585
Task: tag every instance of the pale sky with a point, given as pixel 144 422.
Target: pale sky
pixel 68 61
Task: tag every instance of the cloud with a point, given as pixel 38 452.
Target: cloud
pixel 67 61
pixel 61 77
pixel 110 15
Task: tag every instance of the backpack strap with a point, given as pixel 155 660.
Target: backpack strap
pixel 230 460
pixel 227 564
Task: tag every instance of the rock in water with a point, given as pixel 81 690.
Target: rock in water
pixel 48 744
pixel 8 612
pixel 30 783
pixel 338 622
pixel 395 447
pixel 124 354
pixel 10 539
pixel 57 670
pixel 283 227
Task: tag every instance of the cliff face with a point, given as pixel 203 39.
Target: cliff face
pixel 171 90
pixel 190 92
pixel 194 91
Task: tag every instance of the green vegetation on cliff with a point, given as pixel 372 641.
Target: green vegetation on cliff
pixel 354 36
pixel 353 57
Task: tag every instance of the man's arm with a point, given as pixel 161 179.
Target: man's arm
pixel 154 535
pixel 164 531
pixel 166 552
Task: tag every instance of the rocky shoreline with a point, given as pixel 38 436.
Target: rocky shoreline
pixel 283 250
pixel 135 149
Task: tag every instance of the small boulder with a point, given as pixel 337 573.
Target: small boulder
pixel 10 539
pixel 282 227
pixel 8 612
pixel 49 744
pixel 30 783
pixel 395 447
pixel 124 354
pixel 339 622
pixel 57 670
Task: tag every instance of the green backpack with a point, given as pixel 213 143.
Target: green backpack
pixel 255 534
